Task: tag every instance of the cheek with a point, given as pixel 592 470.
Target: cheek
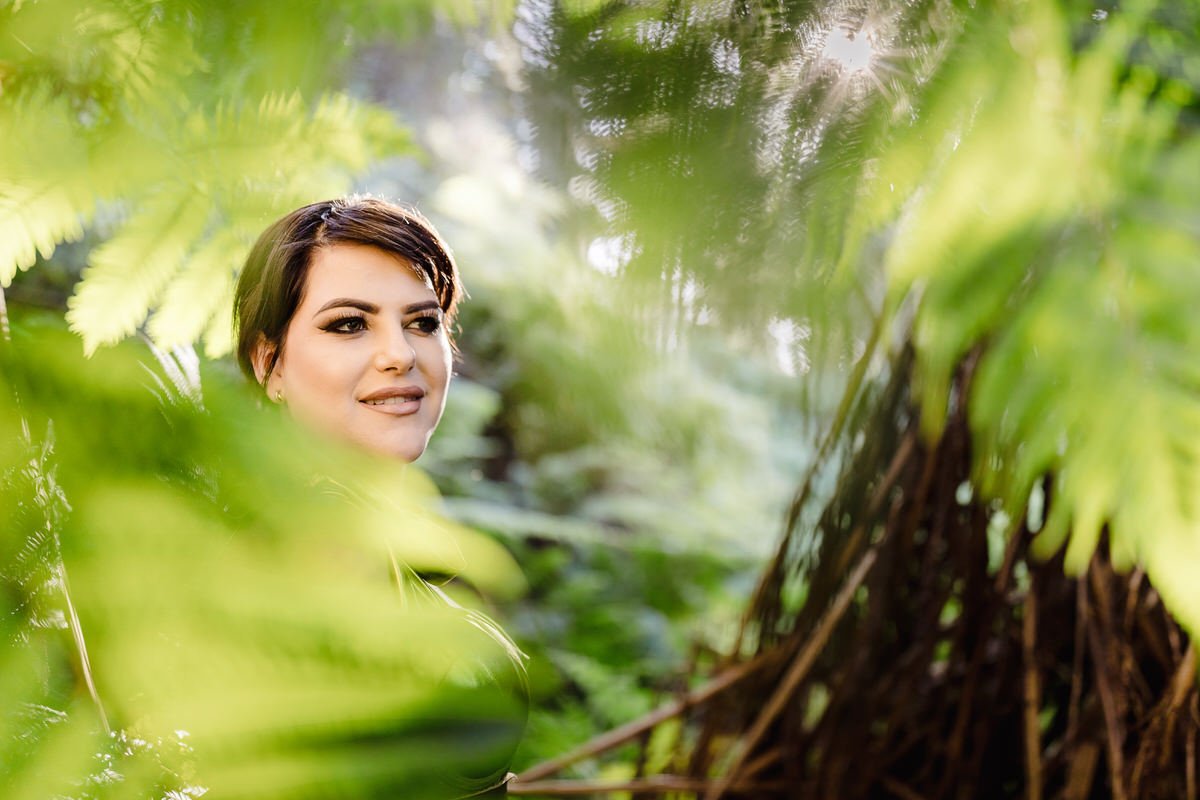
pixel 433 356
pixel 444 363
pixel 308 372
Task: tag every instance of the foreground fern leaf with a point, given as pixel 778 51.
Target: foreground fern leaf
pixel 48 187
pixel 185 240
pixel 128 273
pixel 170 134
pixel 1049 229
pixel 232 579
pixel 202 288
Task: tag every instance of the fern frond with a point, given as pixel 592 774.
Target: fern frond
pixel 255 165
pixel 277 681
pixel 356 134
pixel 201 288
pixel 54 170
pixel 1053 230
pixel 218 336
pixel 262 148
pixel 125 276
pixel 46 190
pixel 136 51
pixel 974 191
pixel 1113 414
pixel 114 55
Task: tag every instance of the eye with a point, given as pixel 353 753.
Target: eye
pixel 348 324
pixel 427 323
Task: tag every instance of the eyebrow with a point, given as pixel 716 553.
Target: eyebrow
pixel 371 308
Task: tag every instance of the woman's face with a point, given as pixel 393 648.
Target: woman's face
pixel 366 356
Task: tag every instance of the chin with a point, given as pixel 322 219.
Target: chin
pixel 402 450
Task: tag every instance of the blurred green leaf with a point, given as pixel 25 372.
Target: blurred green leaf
pixel 232 580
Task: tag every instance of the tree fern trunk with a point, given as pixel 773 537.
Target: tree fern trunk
pixel 943 661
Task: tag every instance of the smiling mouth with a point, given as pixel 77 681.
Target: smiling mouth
pixel 396 401
pixel 392 401
pixel 394 406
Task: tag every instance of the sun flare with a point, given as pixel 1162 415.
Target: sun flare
pixel 852 51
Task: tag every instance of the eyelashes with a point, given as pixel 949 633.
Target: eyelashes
pixel 351 323
pixel 427 323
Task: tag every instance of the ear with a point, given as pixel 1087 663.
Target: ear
pixel 261 357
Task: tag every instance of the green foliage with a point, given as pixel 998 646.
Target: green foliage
pixel 178 136
pixel 592 415
pixel 230 578
pixel 586 427
pixel 48 184
pixel 1013 179
pixel 635 487
pixel 195 231
pixel 1076 265
pixel 1021 176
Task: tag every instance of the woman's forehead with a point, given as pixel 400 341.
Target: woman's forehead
pixel 366 273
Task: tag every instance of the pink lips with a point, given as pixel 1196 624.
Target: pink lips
pixel 396 401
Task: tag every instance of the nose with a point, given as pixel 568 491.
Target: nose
pixel 393 352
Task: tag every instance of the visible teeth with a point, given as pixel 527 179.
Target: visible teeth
pixel 389 401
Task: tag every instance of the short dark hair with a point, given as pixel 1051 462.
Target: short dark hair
pixel 272 282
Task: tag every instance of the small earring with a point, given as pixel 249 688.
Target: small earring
pixel 279 395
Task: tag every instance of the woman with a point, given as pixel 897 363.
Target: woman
pixel 343 313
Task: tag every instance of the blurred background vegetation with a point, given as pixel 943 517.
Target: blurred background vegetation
pixel 685 228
